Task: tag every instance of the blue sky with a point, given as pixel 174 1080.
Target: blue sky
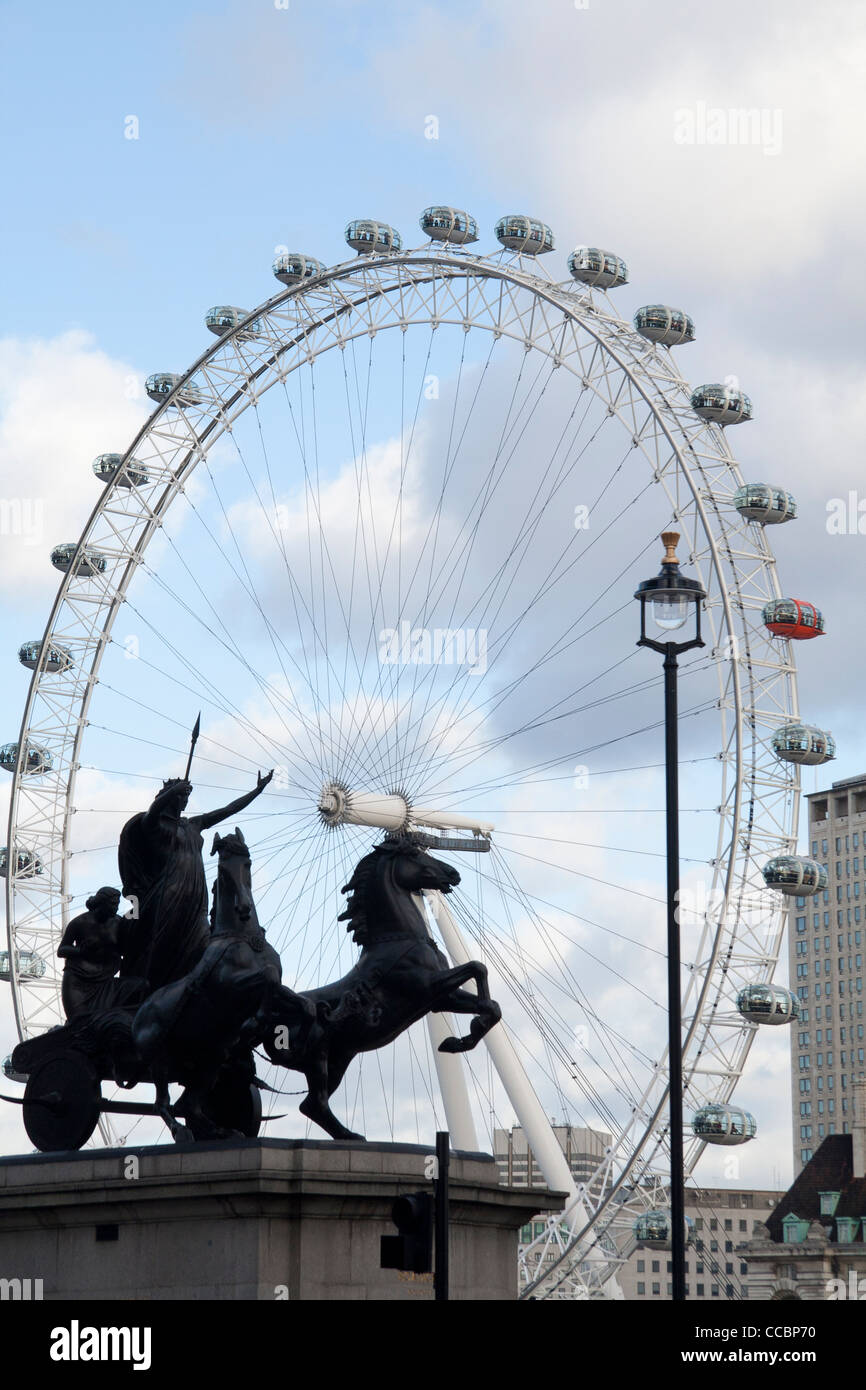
pixel 259 126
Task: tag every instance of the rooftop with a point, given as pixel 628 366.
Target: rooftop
pixel 829 1170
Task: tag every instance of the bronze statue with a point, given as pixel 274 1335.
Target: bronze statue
pixel 161 867
pixel 400 976
pixel 196 1027
pixel 194 997
pixel 92 948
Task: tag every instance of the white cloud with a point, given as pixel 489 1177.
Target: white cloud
pixel 576 110
pixel 62 402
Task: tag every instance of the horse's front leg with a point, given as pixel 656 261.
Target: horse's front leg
pixel 448 995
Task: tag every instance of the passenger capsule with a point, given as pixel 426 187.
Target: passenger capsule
pixel 57 658
pixel 794 876
pixel 595 267
pixel 159 385
pixel 794 618
pixel 224 317
pixel 449 224
pixel 804 744
pixel 726 405
pixel 761 502
pixel 365 237
pixel 292 268
pixel 524 234
pixel 36 759
pixel 27 863
pixel 91 561
pixel 30 966
pixel 724 1124
pixel 653 1229
pixel 766 1003
pixel 107 466
pixel 10 1073
pixel 660 324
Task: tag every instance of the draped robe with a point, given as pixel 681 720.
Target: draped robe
pixel 160 862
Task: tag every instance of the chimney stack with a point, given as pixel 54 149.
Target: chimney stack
pixel 858 1127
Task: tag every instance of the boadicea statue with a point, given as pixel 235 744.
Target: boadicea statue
pixel 173 993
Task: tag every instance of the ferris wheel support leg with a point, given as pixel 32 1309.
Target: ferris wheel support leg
pixel 451 1074
pixel 530 1113
pixel 548 1155
pixel 452 1085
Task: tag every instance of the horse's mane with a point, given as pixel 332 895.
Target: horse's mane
pixel 355 915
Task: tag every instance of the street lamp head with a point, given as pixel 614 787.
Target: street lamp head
pixel 670 594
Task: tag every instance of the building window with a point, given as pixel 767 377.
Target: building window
pixel 641 1266
pixel 657 1288
pixel 714 1290
pixel 700 1291
pixel 655 1266
pixel 641 1290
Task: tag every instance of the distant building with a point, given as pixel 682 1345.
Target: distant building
pixel 716 1269
pixel 723 1219
pixel 826 951
pixel 583 1149
pixel 813 1246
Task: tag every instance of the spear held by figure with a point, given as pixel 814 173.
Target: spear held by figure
pixel 193 741
pixel 160 860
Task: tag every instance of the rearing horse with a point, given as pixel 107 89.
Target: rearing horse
pixel 400 977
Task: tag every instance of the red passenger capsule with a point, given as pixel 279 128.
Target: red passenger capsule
pixel 793 617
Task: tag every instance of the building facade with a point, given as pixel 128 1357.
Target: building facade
pixel 826 953
pixel 723 1219
pixel 813 1246
pixel 716 1267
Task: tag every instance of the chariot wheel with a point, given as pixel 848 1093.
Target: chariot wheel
pixel 61 1102
pixel 385 533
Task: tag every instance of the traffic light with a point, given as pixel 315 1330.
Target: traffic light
pixel 412 1249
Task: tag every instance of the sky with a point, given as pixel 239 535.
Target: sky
pixel 158 159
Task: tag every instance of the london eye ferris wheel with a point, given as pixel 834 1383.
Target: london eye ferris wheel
pixel 385 534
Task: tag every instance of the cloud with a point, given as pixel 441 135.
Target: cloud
pixel 62 402
pixel 579 111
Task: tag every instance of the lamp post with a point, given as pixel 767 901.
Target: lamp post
pixel 673 599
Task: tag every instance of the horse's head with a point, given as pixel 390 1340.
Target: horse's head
pixel 382 887
pixel 415 869
pixel 233 893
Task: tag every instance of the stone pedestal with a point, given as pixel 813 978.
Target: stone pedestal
pixel 248 1219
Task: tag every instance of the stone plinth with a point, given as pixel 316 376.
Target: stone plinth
pixel 248 1219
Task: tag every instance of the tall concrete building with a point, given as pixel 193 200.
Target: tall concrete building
pixel 826 970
